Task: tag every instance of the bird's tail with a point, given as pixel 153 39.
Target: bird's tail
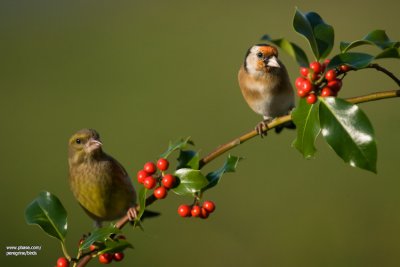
pixel 288 125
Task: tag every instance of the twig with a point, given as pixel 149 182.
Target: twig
pixel 382 69
pixel 245 137
pixel 281 120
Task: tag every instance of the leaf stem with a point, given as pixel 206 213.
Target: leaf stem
pixel 64 250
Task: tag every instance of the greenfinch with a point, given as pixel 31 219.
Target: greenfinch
pixel 98 181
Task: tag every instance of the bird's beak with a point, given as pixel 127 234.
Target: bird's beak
pixel 92 145
pixel 272 62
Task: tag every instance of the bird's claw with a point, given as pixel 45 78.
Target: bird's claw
pixel 132 213
pixel 261 126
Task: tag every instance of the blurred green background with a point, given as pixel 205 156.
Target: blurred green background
pixel 146 72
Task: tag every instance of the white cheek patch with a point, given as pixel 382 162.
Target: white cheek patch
pixel 251 65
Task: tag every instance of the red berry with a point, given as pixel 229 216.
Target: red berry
pixel 118 256
pixel 141 175
pixel 62 262
pixel 299 83
pixel 92 247
pixel 149 182
pixel 121 237
pixel 304 71
pixel 316 67
pixel 307 86
pixel 335 85
pixel 162 164
pixel 311 99
pixel 326 91
pixel 204 213
pixel 184 210
pixel 330 75
pixel 209 206
pixel 81 241
pixel 195 211
pixel 302 93
pixel 160 192
pixel 344 68
pixel 324 65
pixel 149 167
pixel 168 181
pixel 105 258
pixel 314 76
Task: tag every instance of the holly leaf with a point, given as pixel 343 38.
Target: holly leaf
pixel 215 176
pixel 188 159
pixel 142 203
pixel 377 38
pixel 49 214
pixel 178 145
pixel 319 34
pixel 190 181
pixel 100 235
pixel 353 59
pixel 361 60
pixel 390 52
pixel 305 117
pixel 290 48
pixel 348 132
pixel 116 245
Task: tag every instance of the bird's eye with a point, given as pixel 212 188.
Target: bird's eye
pixel 259 55
pixel 78 141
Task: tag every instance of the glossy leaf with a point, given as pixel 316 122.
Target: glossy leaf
pixel 48 212
pixel 377 38
pixel 348 132
pixel 215 176
pixel 292 49
pixel 391 52
pixel 319 34
pixel 190 181
pixel 115 246
pixel 178 145
pixel 353 59
pixel 361 60
pixel 188 159
pixel 305 117
pixel 99 235
pixel 142 203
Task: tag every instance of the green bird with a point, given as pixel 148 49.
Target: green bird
pixel 98 181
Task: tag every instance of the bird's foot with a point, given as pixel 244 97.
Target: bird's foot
pixel 261 126
pixel 132 213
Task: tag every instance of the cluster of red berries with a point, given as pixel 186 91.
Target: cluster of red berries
pixel 196 210
pixel 148 177
pixel 316 80
pixel 106 258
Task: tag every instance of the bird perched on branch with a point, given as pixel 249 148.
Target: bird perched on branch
pixel 98 181
pixel 265 85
